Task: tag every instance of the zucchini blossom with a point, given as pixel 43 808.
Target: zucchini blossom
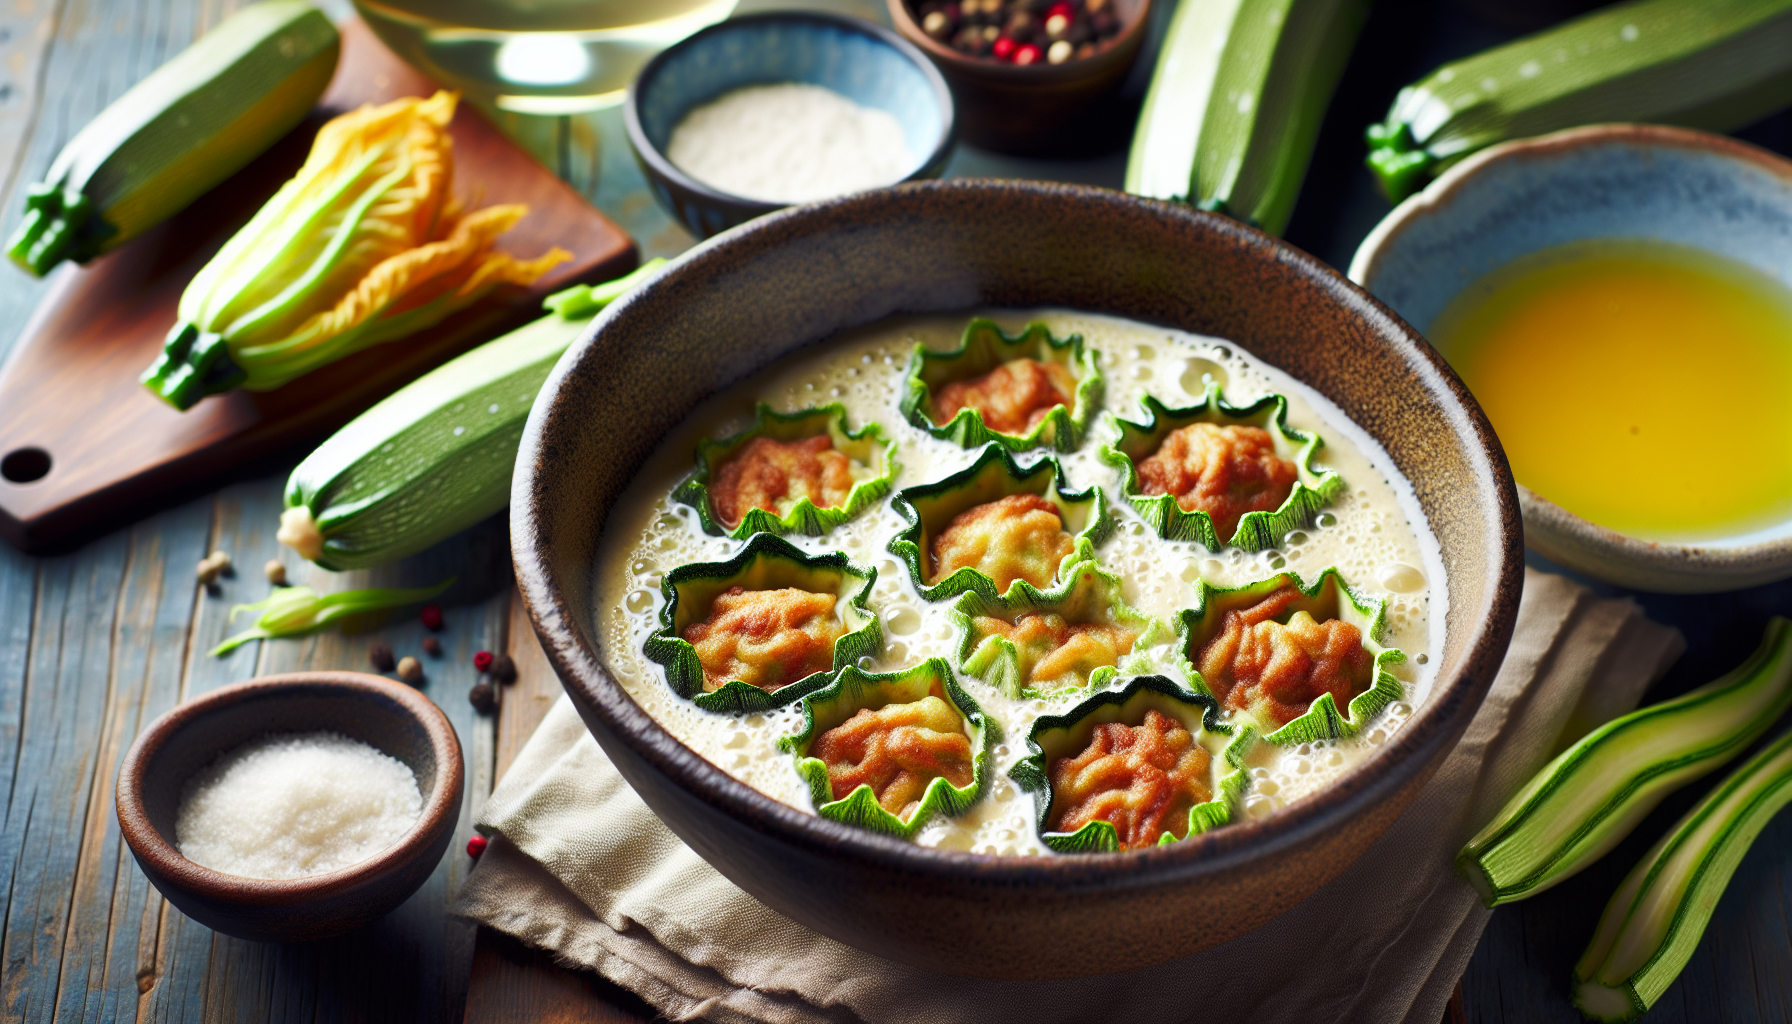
pixel 365 245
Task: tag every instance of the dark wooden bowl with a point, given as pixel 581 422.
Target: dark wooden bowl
pixel 389 716
pixel 1068 109
pixel 737 303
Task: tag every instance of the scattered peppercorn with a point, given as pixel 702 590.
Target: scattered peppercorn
pixel 502 668
pixel 482 660
pixel 275 571
pixel 381 657
pixel 410 670
pixel 483 698
pixel 213 566
pixel 432 617
pixel 1020 31
pixel 476 846
pixel 432 647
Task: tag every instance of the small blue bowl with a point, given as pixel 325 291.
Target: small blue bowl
pixel 866 63
pixel 1612 181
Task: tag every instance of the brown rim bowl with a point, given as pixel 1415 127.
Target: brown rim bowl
pixel 1068 109
pixel 747 297
pixel 383 714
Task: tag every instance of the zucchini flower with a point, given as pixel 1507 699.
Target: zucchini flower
pixel 365 245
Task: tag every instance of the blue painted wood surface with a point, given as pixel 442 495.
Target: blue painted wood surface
pixel 95 643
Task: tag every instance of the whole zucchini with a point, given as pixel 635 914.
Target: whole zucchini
pixel 1235 103
pixel 435 456
pixel 193 122
pixel 1713 64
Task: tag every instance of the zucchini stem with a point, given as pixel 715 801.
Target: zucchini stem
pixel 1653 922
pixel 193 364
pixel 1590 797
pixel 58 225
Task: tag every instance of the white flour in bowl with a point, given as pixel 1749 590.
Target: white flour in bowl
pixel 790 143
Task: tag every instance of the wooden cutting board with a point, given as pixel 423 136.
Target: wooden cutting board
pixel 85 447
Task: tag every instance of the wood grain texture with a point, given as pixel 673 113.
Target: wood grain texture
pixel 70 386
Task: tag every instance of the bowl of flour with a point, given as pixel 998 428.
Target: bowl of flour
pixel 783 108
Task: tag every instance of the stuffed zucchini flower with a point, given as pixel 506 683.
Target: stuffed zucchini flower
pixel 365 245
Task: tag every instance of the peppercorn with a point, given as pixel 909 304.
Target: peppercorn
pixel 1059 52
pixel 937 25
pixel 482 660
pixel 483 698
pixel 432 647
pixel 275 571
pixel 381 657
pixel 502 668
pixel 410 670
pixel 432 617
pixel 1004 48
pixel 213 566
pixel 476 846
pixel 1028 54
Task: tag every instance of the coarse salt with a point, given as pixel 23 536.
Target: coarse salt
pixel 290 805
pixel 790 143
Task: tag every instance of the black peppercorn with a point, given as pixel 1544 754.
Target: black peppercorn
pixel 483 698
pixel 503 669
pixel 381 657
pixel 432 647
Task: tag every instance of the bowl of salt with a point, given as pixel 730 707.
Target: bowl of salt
pixel 775 109
pixel 292 807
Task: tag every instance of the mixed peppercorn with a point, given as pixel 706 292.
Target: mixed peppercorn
pixel 1020 31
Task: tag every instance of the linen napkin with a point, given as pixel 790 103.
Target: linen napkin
pixel 578 865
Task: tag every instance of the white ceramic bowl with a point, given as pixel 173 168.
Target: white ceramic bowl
pixel 1635 181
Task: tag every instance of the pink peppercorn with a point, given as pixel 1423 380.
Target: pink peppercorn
pixel 1003 48
pixel 482 660
pixel 1028 54
pixel 1060 9
pixel 431 616
pixel 475 847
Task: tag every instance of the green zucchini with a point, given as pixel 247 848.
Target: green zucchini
pixel 434 457
pixel 1235 103
pixel 1587 799
pixel 1713 64
pixel 193 122
pixel 1653 922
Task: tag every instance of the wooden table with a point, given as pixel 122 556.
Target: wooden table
pixel 95 643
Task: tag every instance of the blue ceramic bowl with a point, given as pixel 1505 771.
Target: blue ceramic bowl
pixel 866 63
pixel 1604 181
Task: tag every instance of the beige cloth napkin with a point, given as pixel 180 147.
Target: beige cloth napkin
pixel 579 865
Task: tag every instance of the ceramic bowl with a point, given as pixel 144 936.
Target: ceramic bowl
pixel 740 301
pixel 1068 109
pixel 379 712
pixel 866 63
pixel 1604 181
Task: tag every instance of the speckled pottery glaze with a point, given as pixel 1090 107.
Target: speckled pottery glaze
pixel 1604 181
pixel 388 716
pixel 740 301
pixel 866 63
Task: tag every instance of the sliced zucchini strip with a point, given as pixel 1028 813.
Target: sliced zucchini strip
pixel 1089 595
pixel 1329 597
pixel 1591 796
pixel 866 447
pixel 930 508
pixel 1654 921
pixel 852 691
pixel 984 348
pixel 1058 736
pixel 767 562
pixel 1256 530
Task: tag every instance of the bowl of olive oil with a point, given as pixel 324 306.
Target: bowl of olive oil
pixel 1619 300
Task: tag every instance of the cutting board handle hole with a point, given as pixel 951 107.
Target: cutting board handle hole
pixel 24 465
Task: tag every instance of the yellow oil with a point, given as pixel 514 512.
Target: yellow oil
pixel 1642 385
